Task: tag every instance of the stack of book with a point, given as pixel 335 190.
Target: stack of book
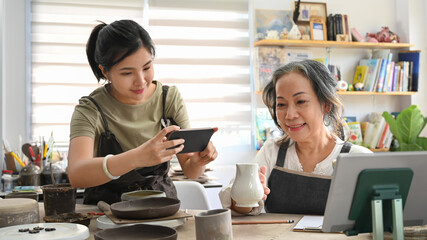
pixel 376 132
pixel 382 74
pixel 338 27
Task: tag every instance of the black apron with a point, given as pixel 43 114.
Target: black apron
pixel 295 192
pixel 147 178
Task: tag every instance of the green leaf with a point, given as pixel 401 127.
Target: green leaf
pixel 410 122
pixel 409 147
pixel 394 128
pixel 422 141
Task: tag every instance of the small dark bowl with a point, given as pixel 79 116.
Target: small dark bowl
pixel 146 208
pixel 138 231
pixel 32 195
pixel 71 217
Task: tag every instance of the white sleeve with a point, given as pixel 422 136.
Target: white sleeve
pixel 359 149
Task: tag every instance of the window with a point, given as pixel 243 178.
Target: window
pixel 202 47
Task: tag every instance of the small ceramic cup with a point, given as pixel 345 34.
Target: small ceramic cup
pixel 214 224
pixel 142 194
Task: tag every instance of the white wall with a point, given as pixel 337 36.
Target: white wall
pixel 418 36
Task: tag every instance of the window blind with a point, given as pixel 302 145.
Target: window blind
pixel 202 47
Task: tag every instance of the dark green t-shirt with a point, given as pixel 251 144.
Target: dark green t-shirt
pixel 132 125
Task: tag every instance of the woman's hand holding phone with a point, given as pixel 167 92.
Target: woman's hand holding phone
pixel 159 149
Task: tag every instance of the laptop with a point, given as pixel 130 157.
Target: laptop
pixel 345 178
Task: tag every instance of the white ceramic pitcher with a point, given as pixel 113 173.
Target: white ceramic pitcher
pixel 247 189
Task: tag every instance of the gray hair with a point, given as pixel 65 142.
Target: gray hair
pixel 324 85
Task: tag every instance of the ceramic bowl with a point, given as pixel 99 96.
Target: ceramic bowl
pixel 139 231
pixel 146 208
pixel 142 194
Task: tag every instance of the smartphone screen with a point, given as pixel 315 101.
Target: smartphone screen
pixel 196 139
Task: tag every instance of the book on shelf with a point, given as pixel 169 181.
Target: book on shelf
pixel 363 127
pixel 349 119
pixel 360 75
pixel 330 27
pixel 371 78
pixel 396 78
pixel 377 131
pixel 346 26
pixel 388 77
pixel 414 57
pixel 381 141
pixel 380 81
pixel 338 22
pixel 355 133
pixel 374 129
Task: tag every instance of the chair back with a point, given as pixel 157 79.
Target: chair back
pixel 192 195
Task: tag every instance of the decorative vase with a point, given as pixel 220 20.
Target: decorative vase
pixel 247 189
pixel 294 33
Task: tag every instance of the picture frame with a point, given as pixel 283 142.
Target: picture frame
pixel 309 9
pixel 318 28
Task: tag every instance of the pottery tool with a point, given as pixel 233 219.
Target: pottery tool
pixel 25 150
pixel 262 222
pixel 32 155
pixel 44 150
pixel 17 159
pixel 50 143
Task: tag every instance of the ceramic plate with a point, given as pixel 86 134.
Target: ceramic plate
pixel 63 231
pixel 146 208
pixel 139 231
pixel 104 222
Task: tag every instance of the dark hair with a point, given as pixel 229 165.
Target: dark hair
pixel 109 44
pixel 323 83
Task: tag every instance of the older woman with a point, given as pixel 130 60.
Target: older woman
pixel 295 169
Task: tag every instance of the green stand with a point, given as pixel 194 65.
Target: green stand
pixel 378 202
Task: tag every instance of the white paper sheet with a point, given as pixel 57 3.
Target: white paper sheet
pixel 309 223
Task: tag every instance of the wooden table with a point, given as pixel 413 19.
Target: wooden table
pixel 243 232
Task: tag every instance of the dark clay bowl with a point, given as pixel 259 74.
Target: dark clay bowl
pixel 146 208
pixel 32 195
pixel 138 231
pixel 71 217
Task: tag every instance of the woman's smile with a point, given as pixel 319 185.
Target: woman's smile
pixel 140 91
pixel 296 127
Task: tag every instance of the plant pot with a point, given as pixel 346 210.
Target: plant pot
pixel 59 198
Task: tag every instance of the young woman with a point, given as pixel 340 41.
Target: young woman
pixel 295 169
pixel 118 134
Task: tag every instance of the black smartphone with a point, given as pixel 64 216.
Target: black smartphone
pixel 196 139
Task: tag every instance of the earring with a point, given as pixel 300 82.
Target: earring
pixel 326 119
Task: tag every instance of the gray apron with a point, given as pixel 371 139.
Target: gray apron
pixel 147 178
pixel 295 192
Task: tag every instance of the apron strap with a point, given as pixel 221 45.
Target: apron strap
pixel 346 147
pixel 282 153
pixel 166 122
pixel 100 111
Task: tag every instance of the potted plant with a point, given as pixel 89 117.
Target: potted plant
pixel 406 129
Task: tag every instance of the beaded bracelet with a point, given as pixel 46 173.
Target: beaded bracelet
pixel 104 167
